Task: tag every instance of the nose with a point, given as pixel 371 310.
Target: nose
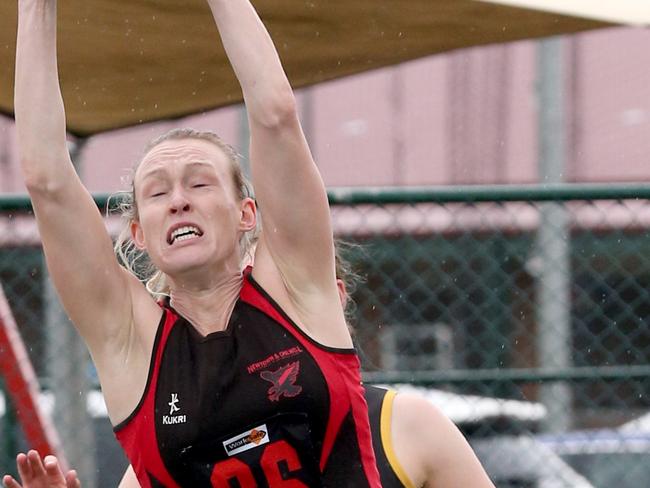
pixel 178 202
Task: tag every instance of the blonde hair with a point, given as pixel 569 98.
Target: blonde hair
pixel 137 261
pixel 346 272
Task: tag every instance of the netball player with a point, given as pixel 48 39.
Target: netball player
pixel 415 445
pixel 208 356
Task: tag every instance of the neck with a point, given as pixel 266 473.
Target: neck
pixel 208 307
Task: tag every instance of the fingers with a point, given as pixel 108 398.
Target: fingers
pixel 9 482
pixel 53 471
pixel 72 480
pixel 37 470
pixel 24 468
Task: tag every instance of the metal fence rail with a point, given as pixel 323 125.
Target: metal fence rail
pixel 522 311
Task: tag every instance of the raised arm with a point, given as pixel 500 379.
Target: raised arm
pixel 78 249
pixel 40 116
pixel 295 214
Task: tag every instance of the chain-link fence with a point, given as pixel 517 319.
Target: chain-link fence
pixel 522 312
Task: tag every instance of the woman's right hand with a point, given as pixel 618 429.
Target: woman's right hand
pixel 35 472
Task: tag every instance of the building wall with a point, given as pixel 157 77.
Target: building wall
pixel 465 117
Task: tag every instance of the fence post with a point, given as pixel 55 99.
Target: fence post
pixel 553 307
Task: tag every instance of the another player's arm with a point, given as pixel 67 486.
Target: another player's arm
pixel 431 448
pixel 92 286
pixel 297 231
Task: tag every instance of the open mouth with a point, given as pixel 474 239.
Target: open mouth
pixel 183 234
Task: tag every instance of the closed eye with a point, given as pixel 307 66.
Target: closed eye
pixel 200 185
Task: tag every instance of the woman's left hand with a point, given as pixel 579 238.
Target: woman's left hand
pixel 35 472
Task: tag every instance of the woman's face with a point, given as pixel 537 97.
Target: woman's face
pixel 189 215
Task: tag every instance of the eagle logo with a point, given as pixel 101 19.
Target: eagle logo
pixel 283 381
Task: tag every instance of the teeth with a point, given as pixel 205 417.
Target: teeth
pixel 184 230
pixel 185 237
pixel 184 233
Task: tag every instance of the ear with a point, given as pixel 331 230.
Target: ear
pixel 248 219
pixel 137 236
pixel 343 293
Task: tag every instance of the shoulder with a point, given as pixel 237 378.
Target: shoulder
pixel 316 311
pixel 411 409
pixel 419 423
pixel 442 456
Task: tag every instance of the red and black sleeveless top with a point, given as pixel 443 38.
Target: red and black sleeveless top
pixel 259 404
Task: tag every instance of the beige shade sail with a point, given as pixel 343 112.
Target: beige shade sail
pixel 125 62
pixel 631 12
